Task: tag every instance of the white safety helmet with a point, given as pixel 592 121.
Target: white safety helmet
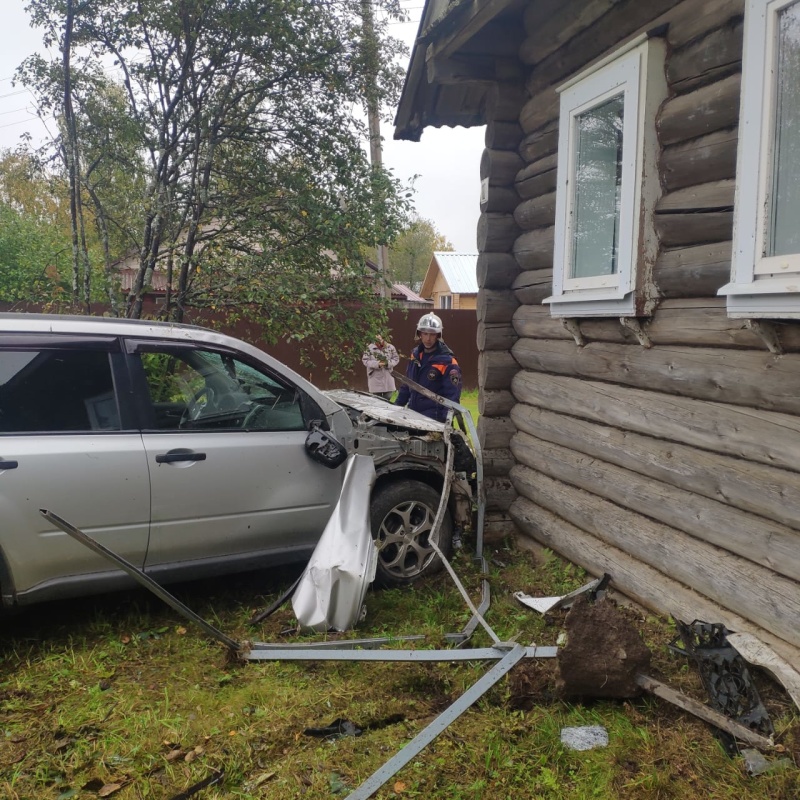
pixel 430 323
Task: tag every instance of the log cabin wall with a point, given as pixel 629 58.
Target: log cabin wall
pixel 668 457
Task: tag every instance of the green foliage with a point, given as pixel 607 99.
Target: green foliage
pixel 411 251
pixel 230 155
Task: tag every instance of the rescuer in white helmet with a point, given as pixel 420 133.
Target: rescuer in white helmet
pixel 433 366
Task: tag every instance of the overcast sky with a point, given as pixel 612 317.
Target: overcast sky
pixel 446 160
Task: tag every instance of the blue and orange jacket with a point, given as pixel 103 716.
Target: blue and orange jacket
pixel 437 371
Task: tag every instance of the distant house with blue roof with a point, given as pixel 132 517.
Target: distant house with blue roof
pixel 451 281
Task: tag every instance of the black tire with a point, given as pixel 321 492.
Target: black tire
pixel 402 514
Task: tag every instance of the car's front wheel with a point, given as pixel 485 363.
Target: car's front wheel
pixel 402 515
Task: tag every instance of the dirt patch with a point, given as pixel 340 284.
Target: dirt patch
pixel 603 654
pixel 532 683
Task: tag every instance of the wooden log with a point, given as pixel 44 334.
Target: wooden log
pixel 500 493
pixel 694 20
pixel 695 321
pixel 714 196
pixel 640 582
pixel 708 158
pixel 766 543
pixel 707 109
pixel 766 437
pixel 494 433
pixel 764 491
pixel 540 111
pixel 537 212
pixel 500 199
pixel 692 271
pixel 625 20
pixel 741 377
pixel 559 27
pixel 536 14
pixel 504 102
pixel 537 178
pixel 707 60
pixel 503 135
pixel 534 249
pixel 496 368
pixel 495 336
pixel 684 230
pixel 532 286
pixel 496 305
pixel 497 403
pixel 769 600
pixel 496 232
pixel 500 166
pixel 498 461
pixel 496 270
pixel 540 143
pixel 498 526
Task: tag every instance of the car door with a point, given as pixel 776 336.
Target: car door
pixel 230 477
pixel 67 445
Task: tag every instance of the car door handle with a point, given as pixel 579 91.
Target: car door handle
pixel 180 454
pixel 9 464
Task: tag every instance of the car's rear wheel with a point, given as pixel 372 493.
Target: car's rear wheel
pixel 402 515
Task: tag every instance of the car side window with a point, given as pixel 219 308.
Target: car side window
pixel 194 389
pixel 56 391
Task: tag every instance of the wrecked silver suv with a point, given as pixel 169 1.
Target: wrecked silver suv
pixel 190 453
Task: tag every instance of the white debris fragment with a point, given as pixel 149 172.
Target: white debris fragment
pixel 584 738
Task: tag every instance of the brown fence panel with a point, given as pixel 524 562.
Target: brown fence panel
pixel 460 333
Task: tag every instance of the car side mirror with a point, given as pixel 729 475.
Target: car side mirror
pixel 323 448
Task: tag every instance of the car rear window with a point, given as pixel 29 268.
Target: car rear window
pixel 56 390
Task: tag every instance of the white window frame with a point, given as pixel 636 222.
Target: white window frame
pixel 448 305
pixel 760 286
pixel 637 71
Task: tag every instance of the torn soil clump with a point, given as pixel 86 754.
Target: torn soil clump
pixel 603 655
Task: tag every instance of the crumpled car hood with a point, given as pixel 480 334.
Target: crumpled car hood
pixel 383 411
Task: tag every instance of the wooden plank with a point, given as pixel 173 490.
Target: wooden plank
pixel 496 232
pixel 504 101
pixel 500 199
pixel 497 461
pixel 643 584
pixel 755 592
pixel 532 286
pixel 707 109
pixel 693 271
pixel 498 527
pixel 496 368
pixel 496 305
pixel 537 178
pixel 496 270
pixel 534 249
pixel 714 196
pixel 766 437
pixel 773 546
pixel 764 491
pixel 685 230
pixel 496 336
pixel 540 143
pixel 740 377
pixel 707 60
pixel 705 159
pixel 537 212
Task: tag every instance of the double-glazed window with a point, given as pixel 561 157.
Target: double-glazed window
pixel 56 390
pixel 766 241
pixel 445 301
pixel 607 183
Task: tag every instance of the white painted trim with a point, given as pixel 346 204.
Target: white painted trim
pixel 597 66
pixel 753 274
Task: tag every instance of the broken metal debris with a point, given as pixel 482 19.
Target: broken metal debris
pixel 587 737
pixel 725 676
pixel 335 730
pixel 757 764
pixel 545 604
